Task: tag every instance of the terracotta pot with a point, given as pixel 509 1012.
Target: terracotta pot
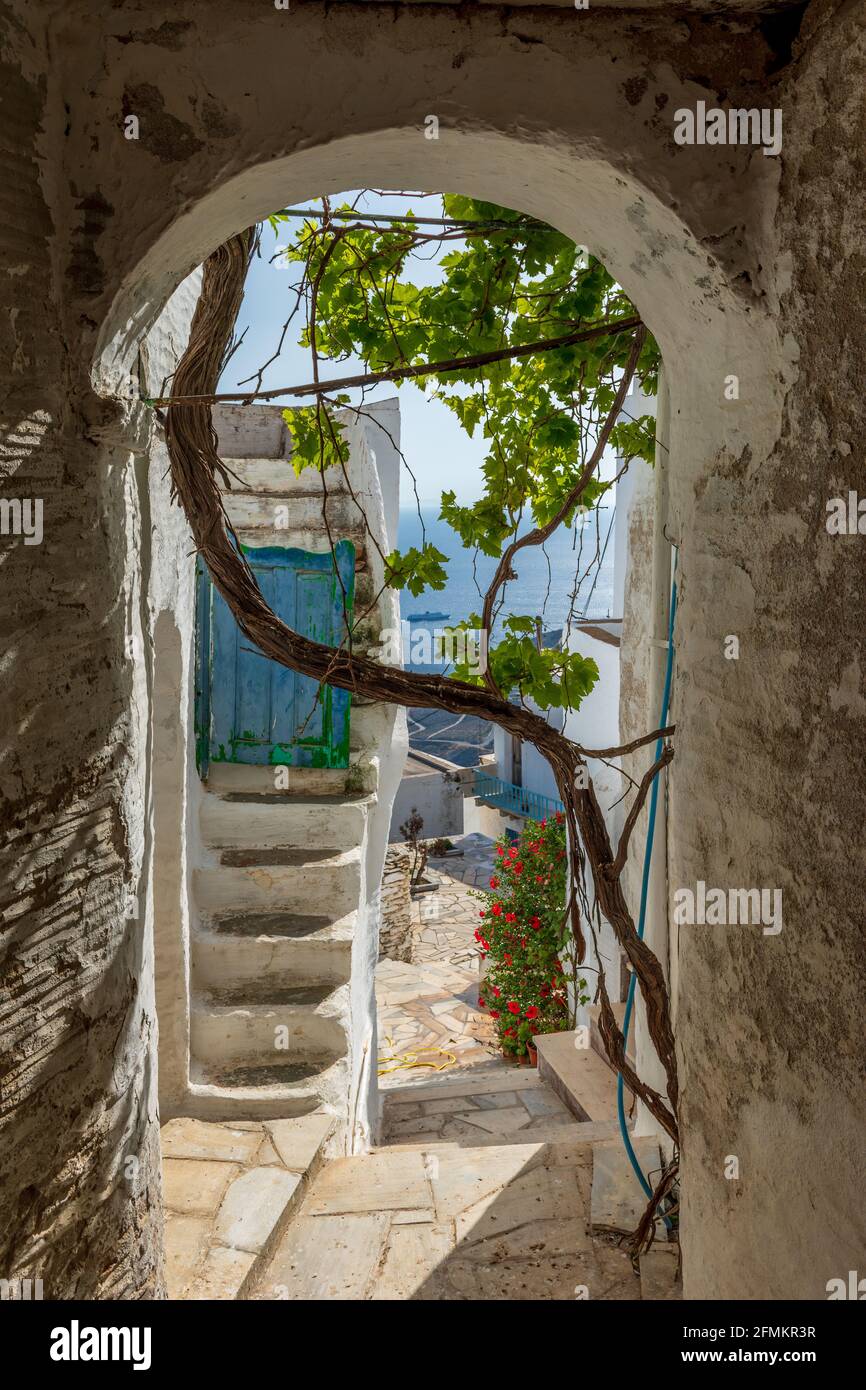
pixel 524 1060
pixel 532 1053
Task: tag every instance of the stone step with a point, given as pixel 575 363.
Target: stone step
pixel 333 884
pixel 294 538
pixel 288 1088
pixel 578 1076
pixel 479 1080
pixel 292 926
pixel 239 951
pixel 359 779
pixel 266 822
pixel 595 1039
pixel 262 1034
pixel 297 511
pixel 291 856
pixel 276 476
pixel 230 1193
pixel 270 990
pixel 547 1134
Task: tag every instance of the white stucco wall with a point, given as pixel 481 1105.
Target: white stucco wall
pixel 169 564
pixel 437 798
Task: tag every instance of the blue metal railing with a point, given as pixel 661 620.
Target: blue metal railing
pixel 515 801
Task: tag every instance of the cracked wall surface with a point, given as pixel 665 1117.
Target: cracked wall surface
pixel 740 263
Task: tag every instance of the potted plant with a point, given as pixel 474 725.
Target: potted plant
pixel 531 979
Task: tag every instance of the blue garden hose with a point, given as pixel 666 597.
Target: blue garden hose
pixel 641 925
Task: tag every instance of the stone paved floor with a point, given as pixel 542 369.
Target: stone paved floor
pixel 229 1189
pixel 453 1223
pixel 428 1010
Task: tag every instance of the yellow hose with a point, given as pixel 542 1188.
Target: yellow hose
pixel 409 1060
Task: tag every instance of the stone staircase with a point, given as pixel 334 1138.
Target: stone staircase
pixel 280 874
pixel 277 897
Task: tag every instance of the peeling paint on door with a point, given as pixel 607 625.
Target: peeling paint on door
pixel 250 709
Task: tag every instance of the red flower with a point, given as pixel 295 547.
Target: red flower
pixel 494 882
pixel 494 1013
pixel 481 1001
pixel 536 923
pixel 538 878
pixel 518 868
pixel 511 916
pixel 509 1032
pixel 500 851
pixel 512 853
pixel 496 909
pixel 507 960
pixel 496 991
pixel 532 1012
pixel 523 943
pixel 543 823
pixel 482 914
pixel 513 1006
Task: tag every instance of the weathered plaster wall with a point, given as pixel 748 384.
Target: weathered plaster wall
pixel 437 797
pixel 79 1196
pixel 639 709
pixel 768 789
pixel 740 263
pixel 168 556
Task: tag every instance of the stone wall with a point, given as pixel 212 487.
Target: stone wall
pixel 740 263
pixel 395 931
pixel 80 1203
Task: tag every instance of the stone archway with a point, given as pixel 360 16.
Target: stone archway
pixel 508 171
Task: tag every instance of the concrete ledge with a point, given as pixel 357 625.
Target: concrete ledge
pixel 578 1076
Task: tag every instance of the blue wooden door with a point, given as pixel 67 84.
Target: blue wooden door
pixel 250 709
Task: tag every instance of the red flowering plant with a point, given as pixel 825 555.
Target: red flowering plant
pixel 532 982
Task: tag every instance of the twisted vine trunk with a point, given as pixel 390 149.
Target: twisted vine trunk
pixel 195 468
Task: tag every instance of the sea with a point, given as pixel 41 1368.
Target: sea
pixel 545 588
pixel 545 575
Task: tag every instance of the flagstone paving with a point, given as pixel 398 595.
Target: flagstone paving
pixel 229 1191
pixel 452 1223
pixel 429 1019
